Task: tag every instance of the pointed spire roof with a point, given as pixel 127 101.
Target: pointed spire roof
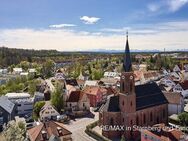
pixel 127 65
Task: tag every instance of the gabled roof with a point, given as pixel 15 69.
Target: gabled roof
pixel 75 96
pixel 112 104
pixel 50 127
pixel 6 104
pixel 173 97
pixel 149 95
pixel 72 82
pixel 93 90
pixel 184 85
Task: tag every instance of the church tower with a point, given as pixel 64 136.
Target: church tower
pixel 127 77
pixel 127 96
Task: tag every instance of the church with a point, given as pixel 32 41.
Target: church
pixel 141 105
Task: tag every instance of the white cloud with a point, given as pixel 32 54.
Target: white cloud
pixel 89 20
pixel 62 25
pixel 171 35
pixel 175 5
pixel 166 5
pixel 153 7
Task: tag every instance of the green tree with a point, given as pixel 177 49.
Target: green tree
pixel 57 98
pixel 15 131
pixel 48 68
pixel 183 118
pixel 37 107
pixel 32 87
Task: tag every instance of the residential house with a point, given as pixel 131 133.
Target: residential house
pixel 186 67
pixel 108 81
pixel 17 70
pixel 111 74
pixel 38 96
pixel 3 71
pixel 161 133
pixel 60 76
pixel 91 83
pixel 78 103
pixel 182 88
pixel 7 111
pixel 176 68
pixel 80 83
pixel 23 101
pixel 175 102
pixel 48 112
pixel 95 94
pixel 49 131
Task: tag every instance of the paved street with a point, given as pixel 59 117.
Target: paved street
pixel 78 127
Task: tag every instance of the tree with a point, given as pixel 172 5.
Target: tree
pixel 183 118
pixel 32 87
pixel 15 131
pixel 48 68
pixel 37 107
pixel 57 98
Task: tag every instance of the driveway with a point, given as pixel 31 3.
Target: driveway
pixel 78 127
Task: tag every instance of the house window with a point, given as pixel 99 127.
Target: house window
pixel 83 104
pixel 131 122
pixel 70 104
pixel 123 103
pixel 131 103
pixel 151 116
pixel 123 120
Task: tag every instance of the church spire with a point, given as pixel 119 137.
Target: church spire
pixel 127 65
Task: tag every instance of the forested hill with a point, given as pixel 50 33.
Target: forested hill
pixel 9 56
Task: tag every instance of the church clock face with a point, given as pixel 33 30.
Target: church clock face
pixel 131 77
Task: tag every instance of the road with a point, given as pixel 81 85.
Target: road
pixel 78 127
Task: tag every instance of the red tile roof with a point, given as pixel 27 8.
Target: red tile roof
pixel 173 97
pixel 50 127
pixel 75 96
pixel 93 90
pixel 184 85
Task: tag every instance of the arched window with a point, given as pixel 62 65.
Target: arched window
pixel 131 103
pixel 144 119
pixel 137 120
pixel 111 121
pixel 123 103
pixel 131 86
pixel 164 113
pixel 151 116
pixel 123 86
pixel 131 122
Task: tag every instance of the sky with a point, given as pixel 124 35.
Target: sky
pixel 84 25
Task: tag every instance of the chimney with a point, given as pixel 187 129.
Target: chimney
pixel 44 135
pixel 59 130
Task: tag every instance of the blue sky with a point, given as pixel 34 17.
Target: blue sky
pixel 69 25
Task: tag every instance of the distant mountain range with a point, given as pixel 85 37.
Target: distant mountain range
pixel 134 51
